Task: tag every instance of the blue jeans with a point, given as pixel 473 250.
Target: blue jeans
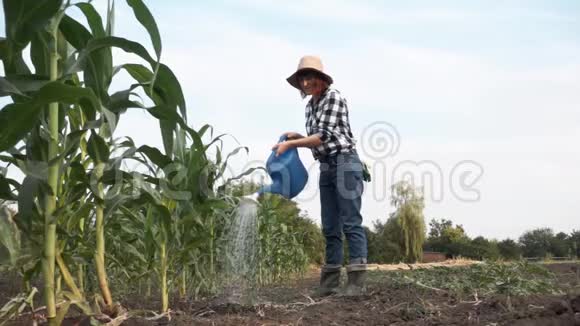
pixel 341 188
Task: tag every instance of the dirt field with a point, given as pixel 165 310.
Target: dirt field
pixel 386 303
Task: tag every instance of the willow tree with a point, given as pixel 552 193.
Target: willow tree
pixel 409 204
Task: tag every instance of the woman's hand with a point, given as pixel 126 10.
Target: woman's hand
pixel 293 135
pixel 280 148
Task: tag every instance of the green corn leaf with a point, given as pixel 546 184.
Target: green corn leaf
pixel 112 176
pixel 215 140
pixel 74 32
pixel 144 16
pixel 72 142
pixel 104 42
pixel 5 192
pixel 39 52
pixel 139 72
pixel 167 135
pixel 17 119
pixel 7 88
pixel 23 18
pixel 110 19
pixel 131 250
pixel 75 192
pixel 93 18
pixel 225 164
pixel 197 145
pixel 205 128
pixel 97 63
pixel 97 148
pixel 27 194
pixel 164 217
pixel 155 156
pixel 13 62
pixel 120 101
pixel 172 88
pixel 73 221
pixel 162 112
pixel 167 95
pixel 218 157
pixel 27 83
pixel 101 69
pixel 174 99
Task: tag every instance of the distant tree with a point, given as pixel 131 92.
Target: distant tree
pixel 574 243
pixel 482 248
pixel 537 243
pixel 436 228
pixel 560 246
pixel 453 241
pixel 409 204
pixel 384 242
pixel 509 249
pixel 373 250
pixel 449 239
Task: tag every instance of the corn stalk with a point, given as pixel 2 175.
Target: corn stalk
pixel 48 263
pixel 163 277
pixel 100 238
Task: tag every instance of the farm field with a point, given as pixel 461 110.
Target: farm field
pixel 435 296
pixel 126 197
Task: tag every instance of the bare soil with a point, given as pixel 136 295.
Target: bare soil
pixel 385 303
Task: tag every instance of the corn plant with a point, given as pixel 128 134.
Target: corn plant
pixel 54 111
pixel 281 250
pixel 190 202
pixel 84 221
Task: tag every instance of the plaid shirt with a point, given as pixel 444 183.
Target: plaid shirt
pixel 329 118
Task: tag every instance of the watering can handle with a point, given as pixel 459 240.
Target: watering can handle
pixel 282 138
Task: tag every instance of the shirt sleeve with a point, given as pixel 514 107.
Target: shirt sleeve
pixel 333 112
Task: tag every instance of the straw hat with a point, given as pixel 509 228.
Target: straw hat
pixel 311 63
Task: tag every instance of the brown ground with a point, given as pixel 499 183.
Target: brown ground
pixel 384 304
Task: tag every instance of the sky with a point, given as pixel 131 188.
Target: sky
pixel 476 101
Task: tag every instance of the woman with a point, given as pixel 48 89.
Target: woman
pixel 341 174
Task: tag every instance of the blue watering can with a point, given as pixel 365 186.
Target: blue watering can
pixel 289 176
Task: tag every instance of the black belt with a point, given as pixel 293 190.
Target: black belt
pixel 332 157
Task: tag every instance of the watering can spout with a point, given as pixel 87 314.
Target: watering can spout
pixel 288 174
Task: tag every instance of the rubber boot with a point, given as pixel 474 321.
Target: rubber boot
pixel 356 279
pixel 329 280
